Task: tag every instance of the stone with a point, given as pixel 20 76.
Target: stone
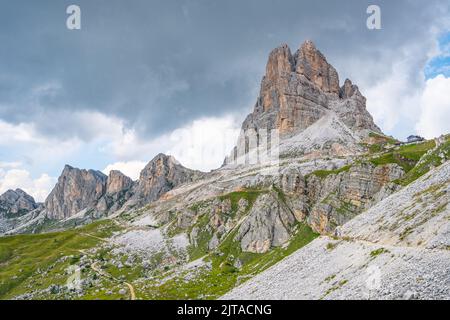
pixel 76 190
pixel 159 176
pixel 410 295
pixel 15 203
pixel 117 182
pixel 213 243
pixel 238 264
pixel 267 225
pixel 186 219
pixel 242 204
pixel 340 197
pixel 311 63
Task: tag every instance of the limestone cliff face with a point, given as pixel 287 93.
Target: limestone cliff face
pixel 76 190
pixel 117 182
pixel 327 202
pixel 269 224
pixel 298 90
pixel 311 63
pixel 15 203
pixel 161 175
pixel 118 191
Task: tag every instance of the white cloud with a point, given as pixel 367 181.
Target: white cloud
pixel 201 145
pixel 21 133
pixel 35 145
pixel 393 81
pixel 9 165
pixel 435 108
pixel 205 142
pixel 393 101
pixel 19 178
pixel 131 169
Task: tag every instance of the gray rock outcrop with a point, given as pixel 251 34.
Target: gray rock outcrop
pixel 333 199
pixel 118 191
pixel 159 176
pixel 17 202
pixel 75 190
pixel 117 182
pixel 330 201
pixel 268 224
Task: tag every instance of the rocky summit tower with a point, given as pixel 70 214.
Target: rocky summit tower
pixel 300 93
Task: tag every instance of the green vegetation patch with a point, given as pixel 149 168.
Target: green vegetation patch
pixel 377 252
pixel 34 262
pixel 429 161
pixel 331 245
pixel 336 286
pixel 405 156
pixel 248 194
pixel 325 173
pixel 381 142
pixel 382 138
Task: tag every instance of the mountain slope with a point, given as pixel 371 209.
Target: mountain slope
pixel 397 249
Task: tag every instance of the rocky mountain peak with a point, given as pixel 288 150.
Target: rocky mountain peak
pixel 117 182
pixel 307 61
pixel 296 92
pixel 92 191
pixel 281 62
pixel 348 90
pixel 16 202
pixel 159 176
pixel 75 190
pixel 311 63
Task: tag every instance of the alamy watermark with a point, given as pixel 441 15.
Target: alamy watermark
pixel 374 20
pixel 73 22
pixel 373 280
pixel 257 147
pixel 73 282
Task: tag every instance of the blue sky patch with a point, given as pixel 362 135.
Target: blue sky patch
pixel 440 64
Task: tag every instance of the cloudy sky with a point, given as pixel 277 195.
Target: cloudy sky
pixel 179 76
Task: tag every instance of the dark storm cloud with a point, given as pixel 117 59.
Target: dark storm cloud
pixel 159 64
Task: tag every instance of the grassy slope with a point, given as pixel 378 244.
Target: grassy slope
pixel 405 156
pixel 33 262
pixel 427 162
pixel 325 173
pixel 415 159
